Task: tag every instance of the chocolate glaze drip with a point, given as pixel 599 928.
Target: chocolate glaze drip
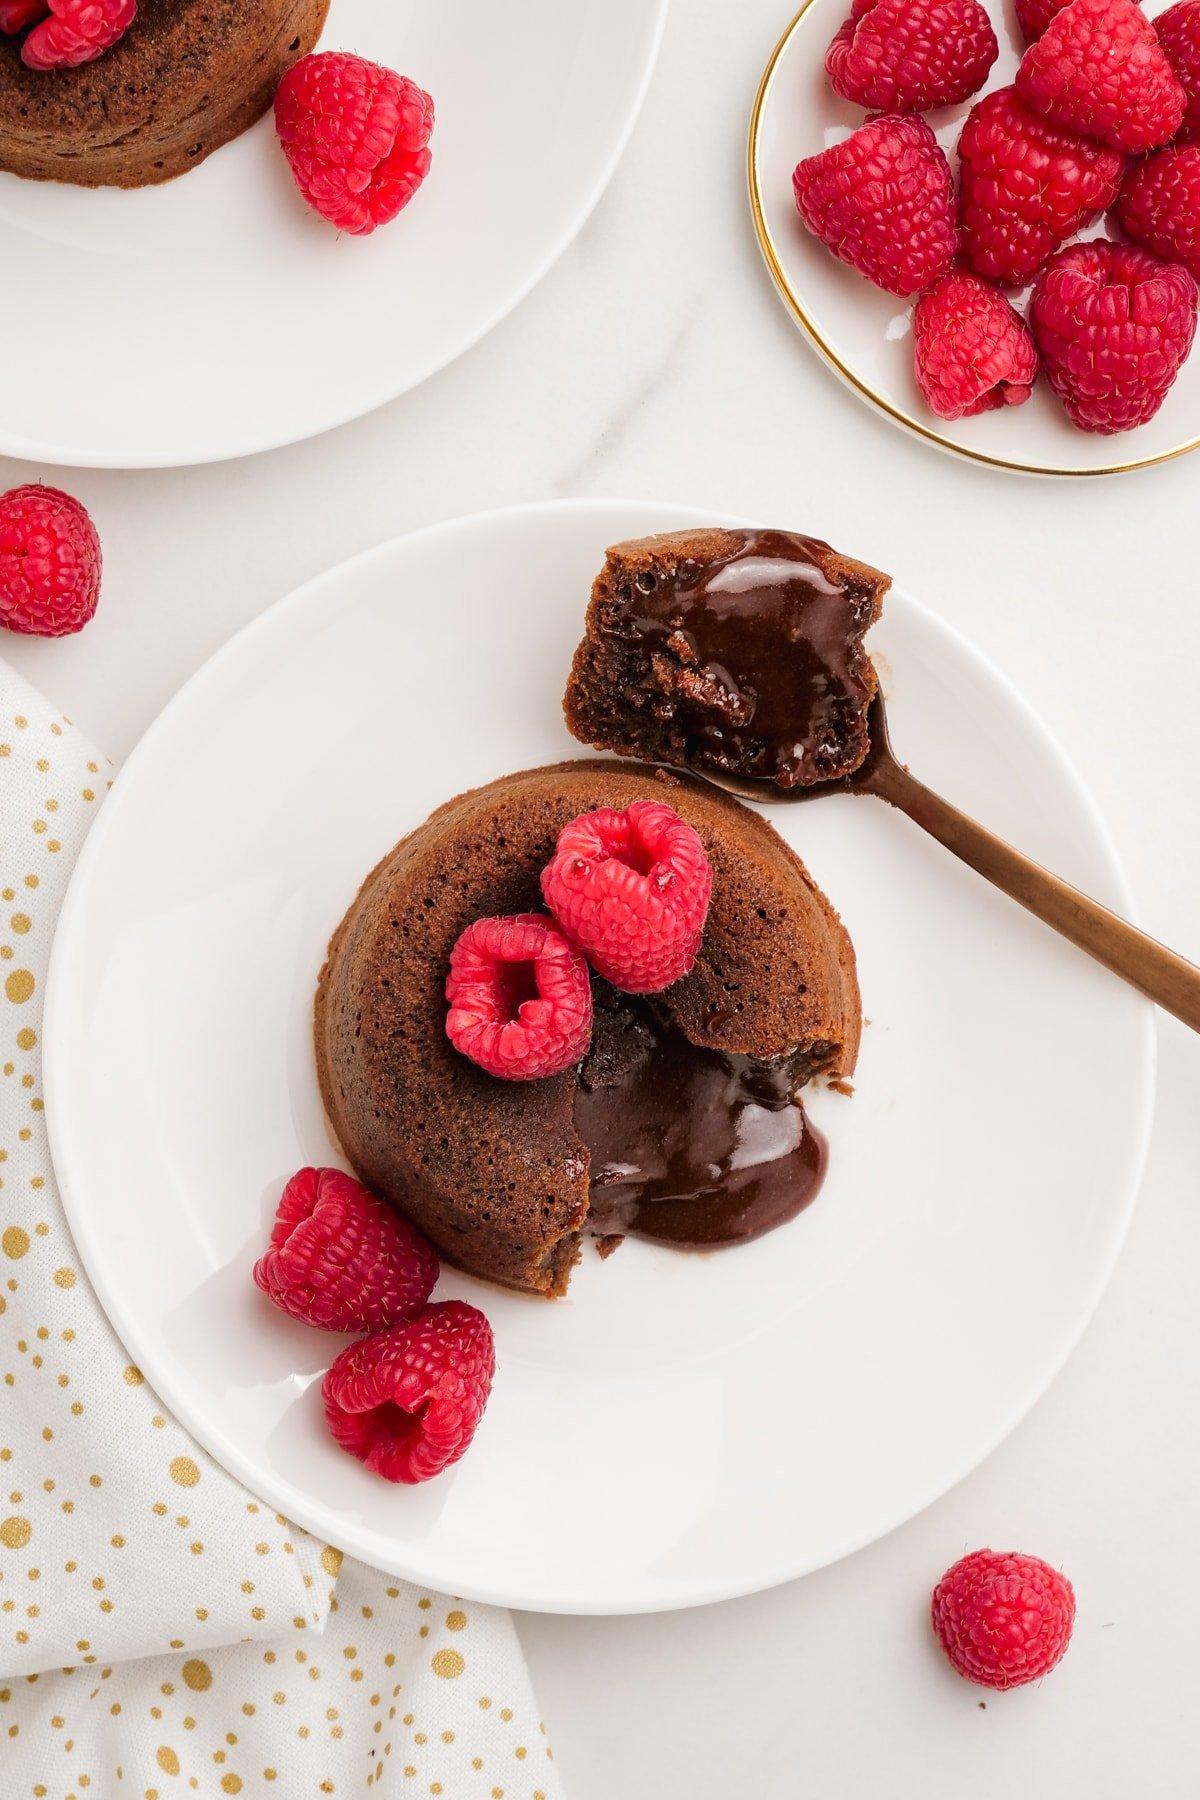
pixel 689 1145
pixel 758 657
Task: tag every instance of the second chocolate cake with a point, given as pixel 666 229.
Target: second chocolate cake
pixel 680 1123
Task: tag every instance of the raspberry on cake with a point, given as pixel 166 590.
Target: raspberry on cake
pixel 76 32
pixel 185 78
pixel 906 56
pixel 520 998
pixel 883 202
pixel 631 889
pixel 649 1131
pixel 737 651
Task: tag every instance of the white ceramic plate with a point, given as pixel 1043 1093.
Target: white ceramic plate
pixel 222 316
pixel 680 1428
pixel 864 333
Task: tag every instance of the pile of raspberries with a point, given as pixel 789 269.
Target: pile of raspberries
pixel 1103 116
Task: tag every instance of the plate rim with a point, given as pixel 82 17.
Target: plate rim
pixel 60 455
pixel 280 1493
pixel 852 379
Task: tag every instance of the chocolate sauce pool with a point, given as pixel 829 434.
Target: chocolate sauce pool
pixel 762 655
pixel 691 1146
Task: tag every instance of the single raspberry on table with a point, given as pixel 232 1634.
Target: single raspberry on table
pixel 50 562
pixel 1113 324
pixel 1159 205
pixel 1099 69
pixel 1178 32
pixel 883 201
pixel 1025 187
pixel 77 31
pixel 631 889
pixel 341 1258
pixel 407 1402
pixel 520 998
pixel 972 351
pixel 904 56
pixel 1002 1618
pixel 356 136
pixel 15 15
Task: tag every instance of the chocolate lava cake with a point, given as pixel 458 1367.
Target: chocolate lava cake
pixel 737 651
pixel 506 1176
pixel 187 76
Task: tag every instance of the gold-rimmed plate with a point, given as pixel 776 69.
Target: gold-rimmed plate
pixel 863 333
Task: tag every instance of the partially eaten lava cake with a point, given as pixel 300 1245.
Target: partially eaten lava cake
pixel 666 1108
pixel 736 651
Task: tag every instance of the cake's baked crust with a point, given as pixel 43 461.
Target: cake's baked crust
pixel 495 1172
pixel 188 76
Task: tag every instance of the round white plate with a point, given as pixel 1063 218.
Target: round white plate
pixel 680 1428
pixel 862 332
pixel 222 316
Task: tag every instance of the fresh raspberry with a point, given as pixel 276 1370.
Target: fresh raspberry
pixel 1113 325
pixel 972 351
pixel 15 15
pixel 1099 69
pixel 904 56
pixel 520 998
pixel 356 136
pixel 407 1401
pixel 50 562
pixel 1025 187
pixel 632 890
pixel 1002 1618
pixel 77 31
pixel 340 1258
pixel 1179 34
pixel 1033 16
pixel 883 201
pixel 1159 205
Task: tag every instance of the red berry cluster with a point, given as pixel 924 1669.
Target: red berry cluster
pixel 1103 115
pixel 407 1398
pixel 628 893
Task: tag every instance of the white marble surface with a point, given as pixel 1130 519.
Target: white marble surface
pixel 656 361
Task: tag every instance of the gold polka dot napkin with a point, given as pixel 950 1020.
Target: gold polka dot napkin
pixel 162 1632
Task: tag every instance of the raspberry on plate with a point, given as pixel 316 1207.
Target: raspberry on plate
pixel 342 1259
pixel 1025 187
pixel 1113 325
pixel 1033 16
pixel 883 201
pixel 520 998
pixel 77 31
pixel 1099 69
pixel 50 562
pixel 1159 205
pixel 407 1402
pixel 356 136
pixel 904 56
pixel 1179 34
pixel 1002 1618
pixel 972 351
pixel 631 889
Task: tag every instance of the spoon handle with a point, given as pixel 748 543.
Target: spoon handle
pixel 1164 977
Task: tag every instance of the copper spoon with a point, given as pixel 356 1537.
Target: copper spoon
pixel 1147 965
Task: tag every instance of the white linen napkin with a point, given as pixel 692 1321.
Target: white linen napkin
pixel 160 1629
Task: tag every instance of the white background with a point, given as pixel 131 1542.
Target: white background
pixel 656 361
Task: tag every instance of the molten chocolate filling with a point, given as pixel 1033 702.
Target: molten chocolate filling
pixel 690 1145
pixel 758 659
